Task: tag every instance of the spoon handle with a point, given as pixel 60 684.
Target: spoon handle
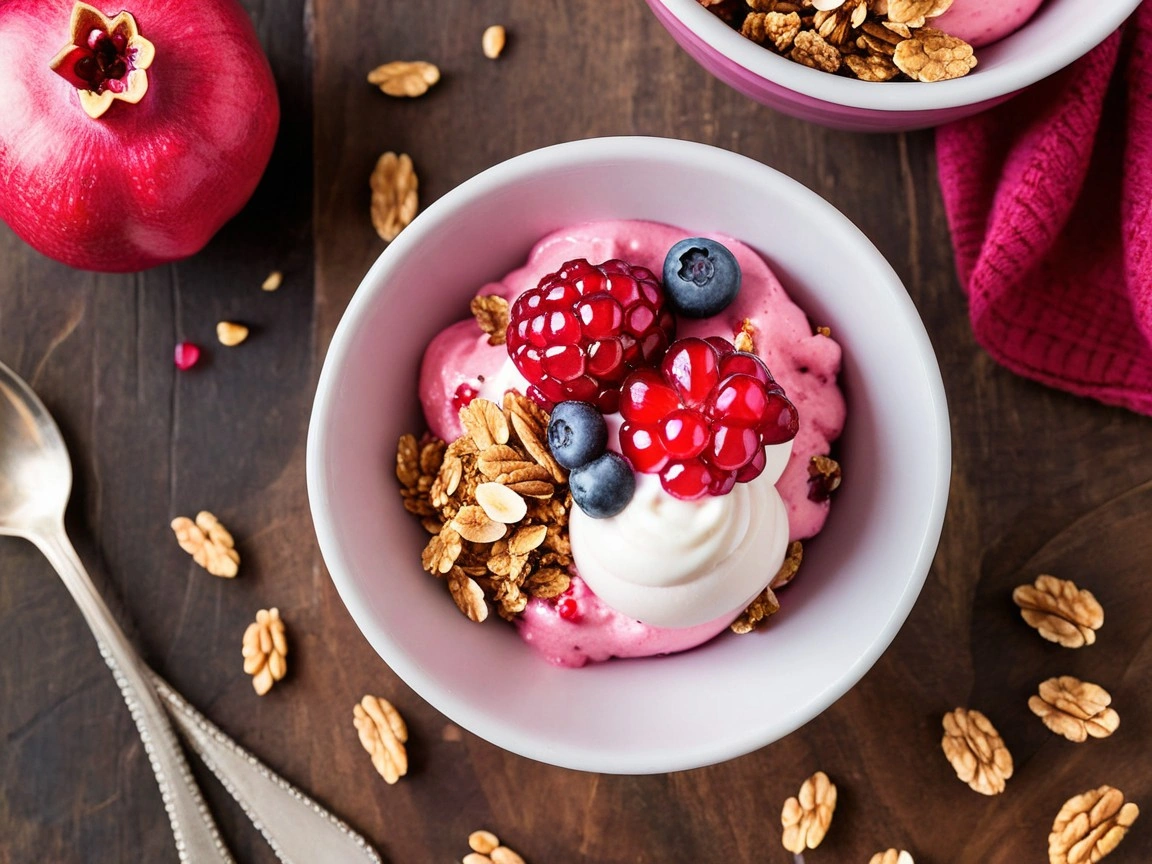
pixel 197 840
pixel 298 829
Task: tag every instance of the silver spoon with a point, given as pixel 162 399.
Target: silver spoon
pixel 35 482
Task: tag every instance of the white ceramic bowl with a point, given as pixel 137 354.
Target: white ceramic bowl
pixel 1059 33
pixel 860 576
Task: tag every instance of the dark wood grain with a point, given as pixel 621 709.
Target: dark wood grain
pixel 1042 482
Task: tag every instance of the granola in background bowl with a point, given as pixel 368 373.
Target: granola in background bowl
pixel 876 40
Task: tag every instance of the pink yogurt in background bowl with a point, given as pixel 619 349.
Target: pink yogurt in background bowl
pixel 859 578
pixel 1051 35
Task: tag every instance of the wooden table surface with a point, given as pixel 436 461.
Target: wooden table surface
pixel 1042 482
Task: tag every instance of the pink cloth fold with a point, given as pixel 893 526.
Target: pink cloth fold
pixel 1049 201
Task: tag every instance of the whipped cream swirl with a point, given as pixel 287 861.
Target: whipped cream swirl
pixel 673 563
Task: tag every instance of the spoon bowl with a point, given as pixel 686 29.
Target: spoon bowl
pixel 35 472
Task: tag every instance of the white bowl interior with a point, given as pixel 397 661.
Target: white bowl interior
pixel 859 579
pixel 1060 32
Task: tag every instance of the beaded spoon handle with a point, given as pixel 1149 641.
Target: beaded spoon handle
pixel 298 829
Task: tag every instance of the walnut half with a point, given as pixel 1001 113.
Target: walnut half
pixel 1090 825
pixel 1075 709
pixel 383 733
pixel 976 751
pixel 1060 611
pixel 806 818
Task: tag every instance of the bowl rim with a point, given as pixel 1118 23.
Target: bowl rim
pixel 896 96
pixel 704 750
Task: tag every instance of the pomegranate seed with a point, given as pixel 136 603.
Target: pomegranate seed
pixel 741 400
pixel 645 398
pixel 563 328
pixel 600 316
pixel 732 446
pixel 692 367
pixel 754 468
pixel 464 395
pixel 563 362
pixel 743 363
pixel 640 447
pixel 724 483
pixel 96 39
pixel 568 609
pixel 684 434
pixel 780 423
pixel 604 358
pixel 686 480
pixel 186 356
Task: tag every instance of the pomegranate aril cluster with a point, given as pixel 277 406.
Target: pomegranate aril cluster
pixel 584 328
pixel 702 420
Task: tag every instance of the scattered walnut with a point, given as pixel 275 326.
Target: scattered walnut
pixel 492 42
pixel 273 281
pixel 810 49
pixel 891 856
pixel 504 855
pixel 383 734
pixel 824 478
pixel 806 818
pixel 483 841
pixel 394 194
pixel 231 334
pixel 265 650
pixel 209 544
pixel 491 313
pixel 931 55
pixel 1075 708
pixel 405 78
pixel 976 751
pixel 779 28
pixel 1060 611
pixel 1090 825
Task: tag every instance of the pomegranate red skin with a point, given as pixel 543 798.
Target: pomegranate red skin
pixel 144 184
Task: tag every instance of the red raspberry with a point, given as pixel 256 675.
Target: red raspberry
pixel 703 420
pixel 584 328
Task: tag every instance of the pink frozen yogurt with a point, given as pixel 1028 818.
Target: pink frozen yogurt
pixel 982 22
pixel 805 365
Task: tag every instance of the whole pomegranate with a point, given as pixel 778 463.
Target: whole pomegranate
pixel 127 139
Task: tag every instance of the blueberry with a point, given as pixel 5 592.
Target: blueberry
pixel 604 486
pixel 577 433
pixel 701 277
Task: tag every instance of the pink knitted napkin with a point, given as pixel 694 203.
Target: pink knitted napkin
pixel 1049 199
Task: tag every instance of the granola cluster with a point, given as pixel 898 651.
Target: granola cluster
pixel 873 40
pixel 497 505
